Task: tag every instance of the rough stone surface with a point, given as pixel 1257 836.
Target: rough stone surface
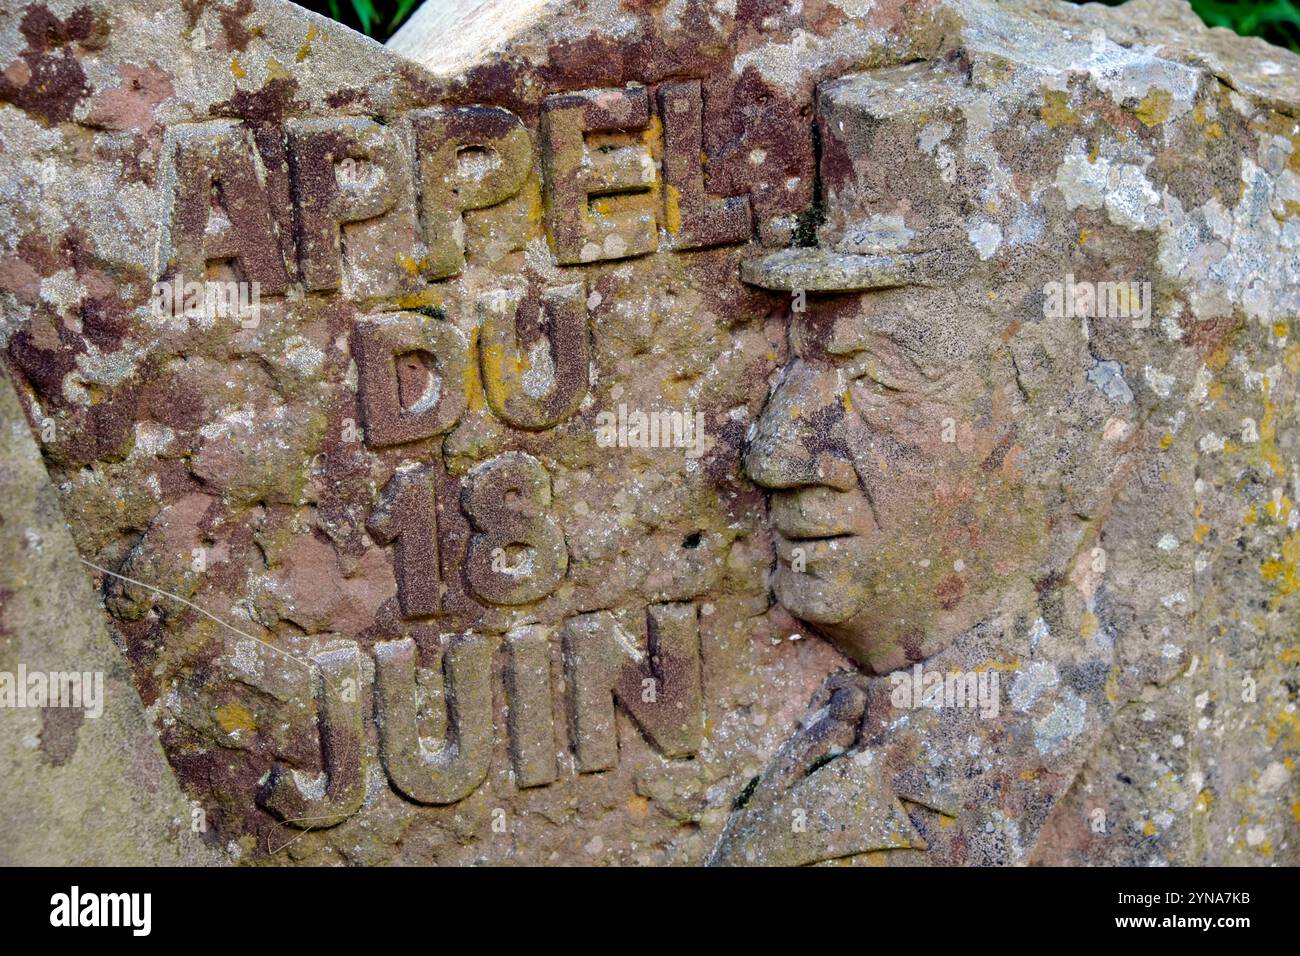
pixel 418 594
pixel 78 789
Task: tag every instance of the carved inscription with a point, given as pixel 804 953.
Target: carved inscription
pixel 451 771
pixel 536 390
pixel 406 517
pixel 517 554
pixel 411 372
pixel 693 219
pixel 532 724
pixel 471 157
pixel 597 199
pixel 216 209
pixel 660 688
pixel 325 799
pixel 376 205
pixel 377 213
pixel 348 170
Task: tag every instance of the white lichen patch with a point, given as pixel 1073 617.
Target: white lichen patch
pixel 1053 733
pixel 986 237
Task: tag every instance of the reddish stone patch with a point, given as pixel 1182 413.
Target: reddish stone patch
pixel 20 279
pixel 271 104
pixel 45 351
pixel 1209 335
pixel 237 34
pixel 913 645
pixel 995 458
pixel 130 106
pixel 348 96
pixel 950 591
pixel 59 726
pixel 47 80
pixel 5 596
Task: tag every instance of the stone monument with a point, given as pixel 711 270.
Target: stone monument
pixel 660 432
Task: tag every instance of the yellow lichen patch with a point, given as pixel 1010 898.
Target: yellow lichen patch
pixel 652 137
pixel 672 209
pixel 1285 728
pixel 411 265
pixel 1295 809
pixel 1278 124
pixel 1154 108
pixel 1267 446
pixel 305 49
pixel 1088 626
pixel 1124 296
pixel 237 68
pixel 1292 357
pixel 1214 131
pixel 500 371
pixel 1203 801
pixel 475 400
pixel 1284 573
pixel 275 69
pixel 1148 829
pixel 232 717
pixel 1112 686
pixel 1056 109
pixel 1166 440
pixel 1199 528
pixel 1218 358
pixel 423 299
pixel 638 805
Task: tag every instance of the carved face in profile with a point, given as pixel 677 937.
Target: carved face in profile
pixel 913 484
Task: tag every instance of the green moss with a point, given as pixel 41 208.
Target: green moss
pixel 745 795
pixel 812 218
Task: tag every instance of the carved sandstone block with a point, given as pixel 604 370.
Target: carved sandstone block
pixel 649 433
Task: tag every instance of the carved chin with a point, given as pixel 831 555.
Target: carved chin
pixel 813 599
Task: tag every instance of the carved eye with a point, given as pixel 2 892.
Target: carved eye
pixel 873 374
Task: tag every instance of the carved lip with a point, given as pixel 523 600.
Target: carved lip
pixel 828 536
pixel 819 514
pixel 795 528
pixel 816 547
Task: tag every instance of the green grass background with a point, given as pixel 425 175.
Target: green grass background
pixel 1277 21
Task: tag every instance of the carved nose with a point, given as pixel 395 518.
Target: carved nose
pixel 802 436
